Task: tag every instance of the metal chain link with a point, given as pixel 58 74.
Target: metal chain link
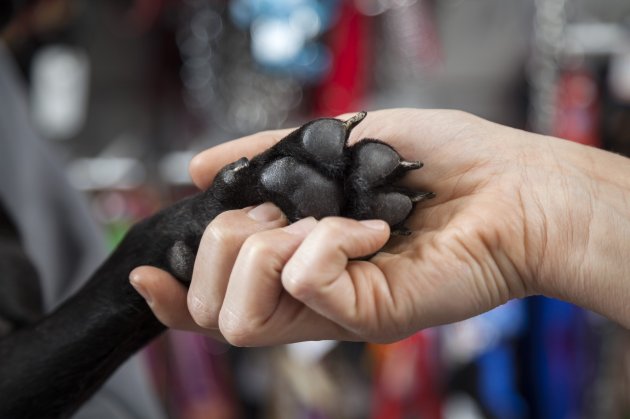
pixel 550 24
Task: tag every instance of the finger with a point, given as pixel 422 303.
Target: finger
pixel 217 252
pixel 320 275
pixel 166 297
pixel 205 165
pixel 256 310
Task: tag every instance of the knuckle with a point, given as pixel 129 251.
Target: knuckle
pixel 257 247
pixel 334 226
pixel 237 339
pixel 297 283
pixel 235 330
pixel 221 231
pixel 202 312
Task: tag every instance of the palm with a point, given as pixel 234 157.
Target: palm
pixel 458 261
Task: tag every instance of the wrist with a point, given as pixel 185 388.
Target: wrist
pixel 587 257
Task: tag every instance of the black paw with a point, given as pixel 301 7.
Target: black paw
pixel 370 184
pixel 311 172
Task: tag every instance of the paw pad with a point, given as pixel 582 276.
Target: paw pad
pixel 312 172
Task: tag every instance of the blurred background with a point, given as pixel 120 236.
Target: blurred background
pixel 128 91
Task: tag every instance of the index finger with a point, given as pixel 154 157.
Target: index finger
pixel 205 165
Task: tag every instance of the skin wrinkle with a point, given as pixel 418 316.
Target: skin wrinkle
pixel 200 312
pixel 497 243
pixel 334 229
pixel 385 304
pixel 588 164
pixel 533 254
pixel 538 269
pixel 462 178
pixel 526 243
pixel 561 191
pixel 221 235
pixel 599 257
pixel 455 278
pixel 511 276
pixel 350 315
pixel 614 190
pixel 228 322
pixel 264 252
pixel 441 216
pixel 297 313
pixel 207 308
pixel 578 241
pixel 402 324
pixel 439 244
pixel 294 274
pixel 275 267
pixel 210 308
pixel 386 286
pixel 583 272
pixel 355 320
pixel 485 279
pixel 578 226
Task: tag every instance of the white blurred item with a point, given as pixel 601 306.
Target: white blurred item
pixel 311 352
pixel 619 76
pixel 59 91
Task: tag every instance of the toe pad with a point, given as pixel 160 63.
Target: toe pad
pixel 300 190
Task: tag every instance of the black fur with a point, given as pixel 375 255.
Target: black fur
pixel 20 301
pixel 48 369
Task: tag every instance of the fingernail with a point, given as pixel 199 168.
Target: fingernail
pixel 265 212
pixel 140 289
pixel 304 226
pixel 374 224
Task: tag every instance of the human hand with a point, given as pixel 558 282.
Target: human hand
pixel 515 214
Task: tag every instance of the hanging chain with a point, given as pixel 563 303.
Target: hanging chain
pixel 550 23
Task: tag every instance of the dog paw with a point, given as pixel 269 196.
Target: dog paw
pixel 371 190
pixel 312 172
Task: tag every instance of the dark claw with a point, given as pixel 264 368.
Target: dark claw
pixel 422 196
pixel 410 165
pixel 401 231
pixel 354 121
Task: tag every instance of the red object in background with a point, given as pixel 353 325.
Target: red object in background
pixel 192 376
pixel 577 113
pixel 407 379
pixel 344 87
pixel 143 14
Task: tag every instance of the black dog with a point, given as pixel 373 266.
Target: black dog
pixel 50 367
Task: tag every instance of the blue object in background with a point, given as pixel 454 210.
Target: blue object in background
pixel 498 383
pixel 284 34
pixel 497 366
pixel 559 356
